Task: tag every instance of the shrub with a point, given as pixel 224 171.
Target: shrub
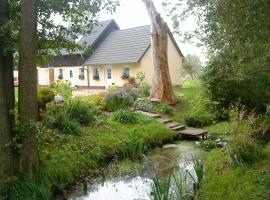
pixel 145 89
pixel 98 99
pixel 243 149
pixel 45 95
pixel 82 112
pixel 144 104
pixel 120 98
pixel 62 88
pixel 164 108
pixel 131 80
pixel 68 117
pixel 125 116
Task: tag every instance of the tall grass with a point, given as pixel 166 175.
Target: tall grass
pixel 175 186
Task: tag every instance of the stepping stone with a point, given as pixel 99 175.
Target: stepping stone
pixel 177 128
pixel 193 132
pixel 154 115
pixel 172 124
pixel 164 120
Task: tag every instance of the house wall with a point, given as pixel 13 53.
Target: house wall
pixel 117 70
pixel 175 64
pixel 43 76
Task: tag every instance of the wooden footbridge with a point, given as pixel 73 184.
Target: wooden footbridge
pixel 182 130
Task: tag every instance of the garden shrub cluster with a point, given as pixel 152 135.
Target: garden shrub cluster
pixel 62 88
pixel 69 116
pixel 144 104
pixel 45 95
pixel 121 98
pixel 125 116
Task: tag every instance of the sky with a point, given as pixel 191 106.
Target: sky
pixel 132 13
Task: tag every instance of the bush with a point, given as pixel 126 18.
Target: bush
pixel 68 117
pixel 125 117
pixel 198 121
pixel 62 88
pixel 144 104
pixel 97 99
pixel 145 89
pixel 164 108
pixel 121 98
pixel 82 112
pixel 45 95
pixel 243 149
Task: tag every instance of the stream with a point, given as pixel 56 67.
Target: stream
pixel 157 162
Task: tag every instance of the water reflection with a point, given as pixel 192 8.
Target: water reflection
pixel 158 162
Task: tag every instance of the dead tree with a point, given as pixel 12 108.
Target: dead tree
pixel 161 82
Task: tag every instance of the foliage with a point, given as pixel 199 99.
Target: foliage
pixel 191 65
pixel 145 89
pixel 245 150
pixel 62 88
pixel 131 80
pixel 65 157
pixel 164 108
pixel 120 98
pixel 140 76
pixel 45 95
pixel 238 67
pixel 125 76
pixel 68 117
pixel 97 99
pixel 144 104
pixel 244 181
pixel 96 77
pixel 57 117
pixel 134 147
pixel 83 112
pixel 53 37
pixel 125 116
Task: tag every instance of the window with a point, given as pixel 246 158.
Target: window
pixel 60 75
pixel 81 73
pixel 109 73
pixel 96 74
pixel 125 73
pixel 71 74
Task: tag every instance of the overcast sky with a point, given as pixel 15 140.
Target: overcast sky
pixel 132 13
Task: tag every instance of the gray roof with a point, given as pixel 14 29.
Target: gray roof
pixel 91 38
pixel 122 46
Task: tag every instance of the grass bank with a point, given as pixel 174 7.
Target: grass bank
pixel 65 158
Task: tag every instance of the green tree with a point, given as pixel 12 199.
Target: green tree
pixel 47 40
pixel 192 65
pixel 236 34
pixel 8 157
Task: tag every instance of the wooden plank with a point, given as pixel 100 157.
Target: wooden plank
pixel 177 128
pixel 164 120
pixel 172 124
pixel 193 132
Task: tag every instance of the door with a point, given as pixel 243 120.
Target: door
pixel 108 76
pixel 51 75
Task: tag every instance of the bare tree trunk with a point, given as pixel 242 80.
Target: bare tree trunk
pixel 8 158
pixel 161 83
pixel 28 107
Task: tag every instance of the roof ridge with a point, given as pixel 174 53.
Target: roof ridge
pixel 132 28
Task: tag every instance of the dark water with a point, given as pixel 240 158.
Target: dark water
pixel 158 162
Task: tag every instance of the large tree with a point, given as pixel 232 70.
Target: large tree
pixel 28 106
pixel 8 158
pixel 236 34
pixel 51 37
pixel 161 83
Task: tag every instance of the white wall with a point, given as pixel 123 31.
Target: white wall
pixel 75 79
pixel 43 76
